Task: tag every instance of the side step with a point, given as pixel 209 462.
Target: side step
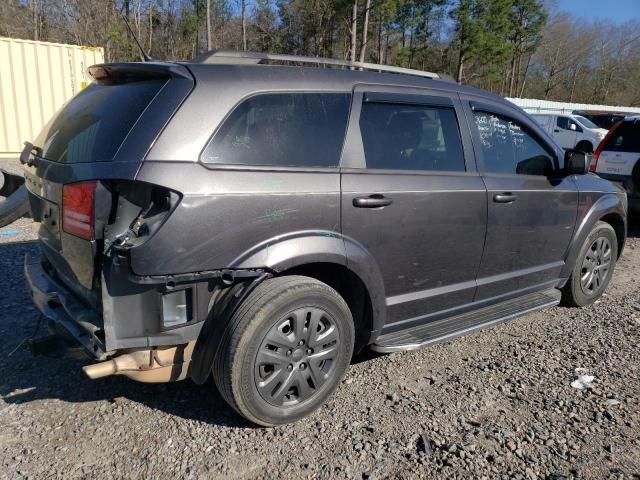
pixel 440 330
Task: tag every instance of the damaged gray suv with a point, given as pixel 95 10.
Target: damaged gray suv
pixel 261 223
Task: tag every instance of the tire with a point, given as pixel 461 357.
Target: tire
pixel 270 366
pixel 14 206
pixel 584 146
pixel 587 281
pixel 635 176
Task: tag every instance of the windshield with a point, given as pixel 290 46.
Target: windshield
pixel 93 125
pixel 585 122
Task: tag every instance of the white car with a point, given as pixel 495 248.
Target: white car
pixel 571 131
pixel 617 158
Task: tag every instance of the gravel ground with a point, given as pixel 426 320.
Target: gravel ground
pixel 496 404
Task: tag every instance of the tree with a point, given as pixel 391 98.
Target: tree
pixel 527 19
pixel 481 28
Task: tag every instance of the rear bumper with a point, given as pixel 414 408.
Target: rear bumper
pixel 66 316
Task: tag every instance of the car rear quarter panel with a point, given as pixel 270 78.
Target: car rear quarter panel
pixel 598 198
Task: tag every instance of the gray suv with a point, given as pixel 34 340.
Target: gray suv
pixel 263 223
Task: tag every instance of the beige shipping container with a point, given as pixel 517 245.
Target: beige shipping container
pixel 36 79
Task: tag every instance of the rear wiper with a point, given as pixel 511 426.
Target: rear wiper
pixel 27 152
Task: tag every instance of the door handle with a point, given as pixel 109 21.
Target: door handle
pixel 375 200
pixel 557 131
pixel 506 197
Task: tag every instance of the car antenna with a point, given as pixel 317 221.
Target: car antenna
pixel 143 54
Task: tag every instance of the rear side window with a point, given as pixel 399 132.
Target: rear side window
pixel 283 129
pixel 93 125
pixel 509 148
pixel 625 138
pixel 411 137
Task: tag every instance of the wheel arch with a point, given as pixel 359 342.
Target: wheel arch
pixel 315 252
pixel 339 261
pixel 609 209
pixel 585 142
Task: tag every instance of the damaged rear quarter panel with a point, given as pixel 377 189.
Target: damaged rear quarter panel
pixel 227 216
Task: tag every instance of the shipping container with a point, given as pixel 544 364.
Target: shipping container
pixel 36 79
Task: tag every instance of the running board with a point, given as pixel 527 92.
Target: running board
pixel 448 328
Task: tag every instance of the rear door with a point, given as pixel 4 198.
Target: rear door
pixel 621 151
pixel 531 211
pixel 412 196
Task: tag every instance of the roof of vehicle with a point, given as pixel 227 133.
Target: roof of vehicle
pixel 294 72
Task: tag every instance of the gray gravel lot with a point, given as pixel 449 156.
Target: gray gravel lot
pixel 496 404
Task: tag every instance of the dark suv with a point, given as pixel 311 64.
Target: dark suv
pixel 262 223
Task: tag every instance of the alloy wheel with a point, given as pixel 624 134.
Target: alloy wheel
pixel 595 266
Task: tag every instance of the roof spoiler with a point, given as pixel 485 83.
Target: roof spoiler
pixel 114 73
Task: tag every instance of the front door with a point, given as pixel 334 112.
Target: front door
pixel 532 209
pixel 565 132
pixel 412 196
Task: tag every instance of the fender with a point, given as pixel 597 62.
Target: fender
pixel 277 255
pixel 605 205
pixel 296 249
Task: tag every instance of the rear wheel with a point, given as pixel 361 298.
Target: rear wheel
pixel 285 351
pixel 594 267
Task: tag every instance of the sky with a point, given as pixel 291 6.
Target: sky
pixel 618 11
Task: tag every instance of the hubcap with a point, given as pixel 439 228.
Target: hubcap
pixel 595 266
pixel 296 356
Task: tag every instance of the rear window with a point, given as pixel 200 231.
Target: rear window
pixel 283 129
pixel 93 125
pixel 625 138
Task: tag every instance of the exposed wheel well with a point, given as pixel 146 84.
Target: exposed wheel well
pixel 618 225
pixel 585 146
pixel 351 288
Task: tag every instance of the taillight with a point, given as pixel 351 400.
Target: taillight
pixel 594 159
pixel 77 209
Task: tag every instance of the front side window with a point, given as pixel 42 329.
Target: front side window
pixel 411 137
pixel 283 129
pixel 508 148
pixel 563 122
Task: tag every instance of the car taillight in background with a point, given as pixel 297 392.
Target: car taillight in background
pixel 77 209
pixel 594 159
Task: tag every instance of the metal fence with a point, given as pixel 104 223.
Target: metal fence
pixel 546 106
pixel 36 79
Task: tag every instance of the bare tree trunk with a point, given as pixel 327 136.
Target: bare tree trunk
pixel 150 28
pixel 209 47
pixel 513 75
pixel 34 9
pixel 460 68
pixel 244 25
pixel 354 30
pixel 365 28
pixel 139 18
pixel 380 52
pixel 524 77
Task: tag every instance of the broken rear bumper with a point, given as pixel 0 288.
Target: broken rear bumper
pixel 65 315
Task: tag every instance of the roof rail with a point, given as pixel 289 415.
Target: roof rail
pixel 233 57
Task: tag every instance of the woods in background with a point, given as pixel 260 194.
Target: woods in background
pixel 511 47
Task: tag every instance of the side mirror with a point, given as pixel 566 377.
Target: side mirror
pixel 576 162
pixel 573 127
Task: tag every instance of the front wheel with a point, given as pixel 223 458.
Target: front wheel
pixel 285 351
pixel 594 267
